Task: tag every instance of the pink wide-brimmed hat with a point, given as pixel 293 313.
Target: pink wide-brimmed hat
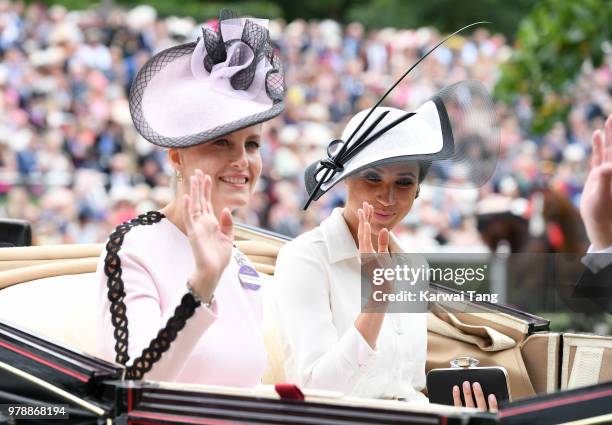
pixel 229 79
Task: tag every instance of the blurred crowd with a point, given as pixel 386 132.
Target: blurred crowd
pixel 72 164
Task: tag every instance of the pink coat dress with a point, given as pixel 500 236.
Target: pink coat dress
pixel 222 345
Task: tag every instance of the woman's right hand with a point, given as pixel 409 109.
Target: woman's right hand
pixel 211 239
pixel 369 262
pixel 364 232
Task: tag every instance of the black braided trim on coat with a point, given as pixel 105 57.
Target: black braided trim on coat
pixel 116 296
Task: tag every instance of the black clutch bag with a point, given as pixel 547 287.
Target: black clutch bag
pixel 440 382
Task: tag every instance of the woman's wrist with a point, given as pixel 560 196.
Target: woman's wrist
pixel 599 234
pixel 206 298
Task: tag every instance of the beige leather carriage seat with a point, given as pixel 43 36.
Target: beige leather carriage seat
pixel 51 291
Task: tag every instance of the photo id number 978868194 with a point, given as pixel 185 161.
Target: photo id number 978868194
pixel 28 411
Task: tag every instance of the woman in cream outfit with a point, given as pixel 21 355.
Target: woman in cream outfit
pixel 330 343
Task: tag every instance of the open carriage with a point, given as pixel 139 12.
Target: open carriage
pixel 48 355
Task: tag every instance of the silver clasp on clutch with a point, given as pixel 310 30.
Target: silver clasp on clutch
pixel 464 362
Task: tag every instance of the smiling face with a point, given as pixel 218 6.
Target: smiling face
pixel 233 162
pixel 390 189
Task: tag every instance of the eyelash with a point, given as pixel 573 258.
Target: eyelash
pixel 253 142
pixel 375 179
pixel 250 144
pixel 405 182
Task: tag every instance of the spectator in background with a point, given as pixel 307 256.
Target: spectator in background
pixel 596 212
pixel 65 76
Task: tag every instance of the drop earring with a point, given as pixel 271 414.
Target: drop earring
pixel 417 192
pixel 179 177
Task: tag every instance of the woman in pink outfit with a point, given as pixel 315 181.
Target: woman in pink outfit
pixel 180 303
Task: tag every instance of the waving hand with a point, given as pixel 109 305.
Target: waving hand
pixel 211 238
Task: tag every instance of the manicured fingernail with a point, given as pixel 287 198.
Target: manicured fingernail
pixel 455 389
pixel 476 385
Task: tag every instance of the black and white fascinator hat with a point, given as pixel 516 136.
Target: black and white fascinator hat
pixel 456 129
pixel 229 79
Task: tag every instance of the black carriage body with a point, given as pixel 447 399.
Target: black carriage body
pixel 42 372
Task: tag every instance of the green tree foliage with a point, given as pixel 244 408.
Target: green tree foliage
pixel 318 9
pixel 198 9
pixel 553 42
pixel 446 15
pixel 206 9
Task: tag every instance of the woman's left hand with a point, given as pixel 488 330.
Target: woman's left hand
pixel 476 390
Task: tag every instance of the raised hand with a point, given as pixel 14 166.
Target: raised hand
pixel 211 238
pixel 596 200
pixel 364 232
pixel 476 390
pixel 364 237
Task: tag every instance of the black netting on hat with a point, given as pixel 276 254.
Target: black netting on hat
pixel 227 14
pixel 274 88
pixel 470 117
pixel 213 43
pixel 257 39
pixel 254 37
pixel 275 82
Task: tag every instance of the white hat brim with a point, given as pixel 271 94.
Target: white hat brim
pixel 420 135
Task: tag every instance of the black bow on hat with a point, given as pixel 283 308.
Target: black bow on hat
pixel 339 152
